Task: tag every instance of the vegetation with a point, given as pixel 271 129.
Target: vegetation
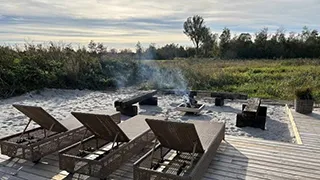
pixel 261 45
pixel 208 66
pixel 303 93
pixel 274 79
pixel 58 66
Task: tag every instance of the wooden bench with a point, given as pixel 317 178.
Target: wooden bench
pixel 253 114
pixel 219 96
pixel 126 107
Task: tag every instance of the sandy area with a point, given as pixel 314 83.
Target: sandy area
pixel 59 103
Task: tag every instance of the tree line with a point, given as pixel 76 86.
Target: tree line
pixel 260 45
pixel 96 67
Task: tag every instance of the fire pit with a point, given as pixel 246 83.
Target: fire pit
pixel 190 105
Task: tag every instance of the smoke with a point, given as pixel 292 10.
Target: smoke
pixel 163 78
pixel 146 72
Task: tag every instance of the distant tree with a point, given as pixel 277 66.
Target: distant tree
pixel 224 44
pixel 139 50
pixel 194 28
pixel 261 43
pixel 277 44
pixel 100 49
pixel 126 51
pixel 113 51
pixel 151 52
pixel 209 43
pixel 92 46
pixel 96 48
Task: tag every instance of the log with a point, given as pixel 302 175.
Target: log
pixel 132 100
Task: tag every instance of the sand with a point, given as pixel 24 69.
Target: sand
pixel 59 103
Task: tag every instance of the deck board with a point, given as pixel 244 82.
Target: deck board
pixel 308 127
pixel 237 158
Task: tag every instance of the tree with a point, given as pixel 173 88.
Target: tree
pixel 194 28
pixel 139 50
pixel 261 43
pixel 151 52
pixel 225 38
pixel 209 43
pixel 92 47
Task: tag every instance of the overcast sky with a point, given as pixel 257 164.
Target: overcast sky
pixel 122 23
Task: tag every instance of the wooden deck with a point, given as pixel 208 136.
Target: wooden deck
pixel 237 158
pixel 308 127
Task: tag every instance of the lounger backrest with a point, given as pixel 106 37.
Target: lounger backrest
pixel 101 126
pixel 176 135
pixel 41 117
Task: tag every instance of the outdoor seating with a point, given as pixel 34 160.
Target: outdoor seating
pixel 126 107
pixel 253 114
pixel 110 147
pixel 51 136
pixel 185 150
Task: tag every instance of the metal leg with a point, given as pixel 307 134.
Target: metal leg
pixel 24 130
pixel 114 141
pixel 45 132
pixel 193 152
pixel 153 149
pixel 84 135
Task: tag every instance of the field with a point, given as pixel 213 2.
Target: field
pixel 276 79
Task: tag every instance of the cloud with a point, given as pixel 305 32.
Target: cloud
pixel 125 22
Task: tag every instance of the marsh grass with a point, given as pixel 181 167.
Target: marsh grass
pixel 276 79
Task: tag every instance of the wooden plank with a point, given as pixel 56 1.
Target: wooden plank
pixel 308 128
pixel 253 105
pixel 293 125
pixel 134 99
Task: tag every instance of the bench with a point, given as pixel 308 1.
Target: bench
pixel 126 107
pixel 253 114
pixel 219 96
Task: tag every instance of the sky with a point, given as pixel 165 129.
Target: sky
pixel 122 23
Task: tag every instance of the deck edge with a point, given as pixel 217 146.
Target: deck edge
pixel 293 124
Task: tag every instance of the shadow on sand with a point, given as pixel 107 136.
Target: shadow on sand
pixel 275 131
pixel 150 110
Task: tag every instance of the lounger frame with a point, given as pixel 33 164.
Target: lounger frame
pixel 101 168
pixel 142 170
pixel 45 146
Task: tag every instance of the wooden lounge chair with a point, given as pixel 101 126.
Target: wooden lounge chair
pixel 184 152
pixel 109 148
pixel 51 136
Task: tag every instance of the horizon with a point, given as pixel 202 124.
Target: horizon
pixel 121 25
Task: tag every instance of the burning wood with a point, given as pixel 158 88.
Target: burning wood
pixel 190 101
pixel 190 105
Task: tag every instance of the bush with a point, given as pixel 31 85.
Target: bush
pixel 304 93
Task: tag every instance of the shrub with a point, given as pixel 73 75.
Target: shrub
pixel 304 93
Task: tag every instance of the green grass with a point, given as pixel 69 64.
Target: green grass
pixel 276 79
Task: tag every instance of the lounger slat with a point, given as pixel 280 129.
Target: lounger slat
pixel 176 135
pixel 102 126
pixel 41 117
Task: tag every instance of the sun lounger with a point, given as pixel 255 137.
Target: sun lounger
pixel 109 148
pixel 51 136
pixel 184 152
